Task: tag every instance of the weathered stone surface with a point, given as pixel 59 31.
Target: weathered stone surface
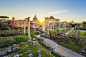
pixel 39 53
pixel 7 42
pixel 34 39
pixel 31 55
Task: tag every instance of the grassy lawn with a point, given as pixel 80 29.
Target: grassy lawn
pixel 18 38
pixel 81 33
pixel 65 29
pixel 10 31
pixel 71 46
pixel 53 31
pixel 34 50
pixel 42 35
pixel 32 33
pixel 6 38
pixel 24 48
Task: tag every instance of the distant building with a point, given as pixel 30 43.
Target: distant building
pixel 13 19
pixel 64 24
pixel 84 24
pixel 72 22
pixel 4 21
pixel 34 24
pixel 4 18
pixel 79 25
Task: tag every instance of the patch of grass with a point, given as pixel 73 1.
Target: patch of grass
pixel 42 35
pixel 37 33
pixel 71 46
pixel 34 50
pixel 80 35
pixel 64 29
pixel 6 38
pixel 21 38
pixel 32 33
pixel 53 31
pixel 18 38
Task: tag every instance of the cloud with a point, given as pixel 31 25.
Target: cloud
pixel 59 11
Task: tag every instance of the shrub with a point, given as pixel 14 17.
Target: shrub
pixel 42 35
pixel 38 33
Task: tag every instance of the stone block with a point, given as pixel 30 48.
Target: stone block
pixel 22 43
pixel 34 39
pixel 31 55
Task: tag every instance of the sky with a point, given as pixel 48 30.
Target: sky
pixel 65 10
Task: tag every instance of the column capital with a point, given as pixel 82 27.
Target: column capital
pixel 27 19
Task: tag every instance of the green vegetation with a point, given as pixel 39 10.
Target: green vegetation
pixel 76 32
pixel 4 17
pixel 71 46
pixel 32 33
pixel 24 48
pixel 37 33
pixel 18 38
pixel 34 50
pixel 9 22
pixel 63 29
pixel 82 33
pixel 42 35
pixel 21 38
pixel 52 31
pixel 6 38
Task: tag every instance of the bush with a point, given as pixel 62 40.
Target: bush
pixel 32 33
pixel 19 40
pixel 31 30
pixel 42 35
pixel 38 33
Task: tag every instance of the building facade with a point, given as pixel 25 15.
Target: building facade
pixel 34 24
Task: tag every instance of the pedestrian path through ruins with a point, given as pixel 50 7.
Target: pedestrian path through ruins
pixel 60 49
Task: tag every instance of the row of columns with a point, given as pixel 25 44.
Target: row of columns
pixel 28 20
pixel 49 26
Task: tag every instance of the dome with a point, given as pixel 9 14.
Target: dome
pixel 34 17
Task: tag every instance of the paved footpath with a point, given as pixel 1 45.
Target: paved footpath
pixel 70 31
pixel 60 49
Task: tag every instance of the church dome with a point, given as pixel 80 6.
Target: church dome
pixel 34 17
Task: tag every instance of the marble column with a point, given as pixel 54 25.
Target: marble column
pixel 29 27
pixel 45 24
pixel 59 24
pixel 48 27
pixel 53 25
pixel 24 26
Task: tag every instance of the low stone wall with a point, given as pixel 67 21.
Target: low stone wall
pixel 10 34
pixel 7 42
pixel 71 40
pixel 66 39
